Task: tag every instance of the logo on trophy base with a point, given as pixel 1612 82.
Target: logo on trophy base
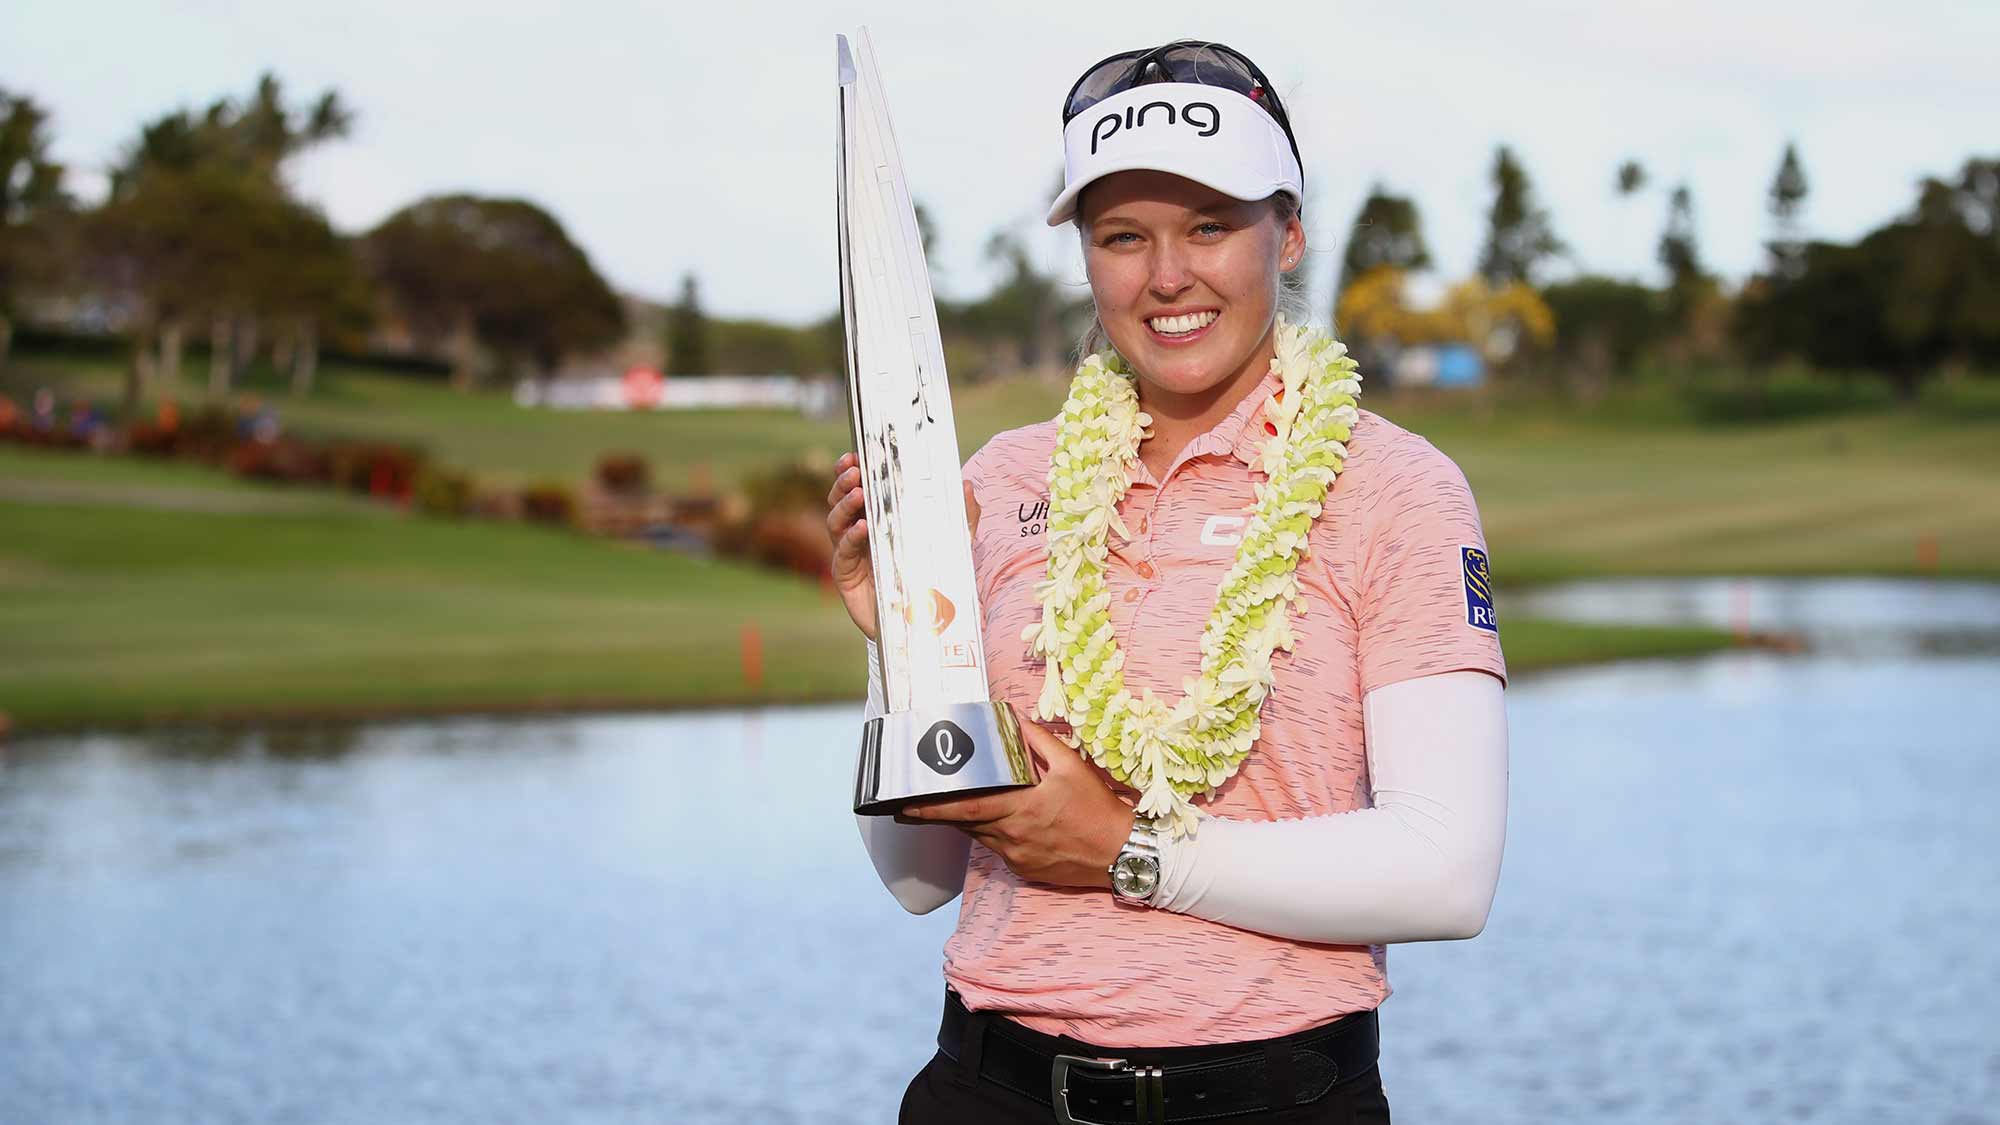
pixel 946 747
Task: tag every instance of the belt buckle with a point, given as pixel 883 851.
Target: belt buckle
pixel 1149 1096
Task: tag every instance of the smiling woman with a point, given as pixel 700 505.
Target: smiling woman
pixel 1180 276
pixel 1246 592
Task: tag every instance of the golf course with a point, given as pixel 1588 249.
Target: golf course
pixel 135 591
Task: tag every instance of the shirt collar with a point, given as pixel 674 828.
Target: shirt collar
pixel 1242 434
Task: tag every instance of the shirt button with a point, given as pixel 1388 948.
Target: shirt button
pixel 1131 595
pixel 1145 570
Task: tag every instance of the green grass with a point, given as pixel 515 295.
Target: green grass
pixel 502 443
pixel 75 477
pixel 117 615
pixel 1654 479
pixel 1567 493
pixel 134 590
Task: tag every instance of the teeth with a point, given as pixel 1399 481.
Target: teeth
pixel 1182 325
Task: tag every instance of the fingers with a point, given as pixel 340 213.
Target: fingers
pixel 850 548
pixel 1048 748
pixel 846 475
pixel 961 810
pixel 849 502
pixel 1041 737
pixel 845 503
pixel 846 499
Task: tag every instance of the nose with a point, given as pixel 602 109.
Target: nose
pixel 1169 276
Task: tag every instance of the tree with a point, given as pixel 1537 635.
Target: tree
pixel 687 333
pixel 1690 288
pixel 31 196
pixel 1787 199
pixel 318 286
pixel 1496 320
pixel 1604 324
pixel 1386 232
pixel 496 276
pixel 1919 292
pixel 1631 178
pixel 1678 250
pixel 194 226
pixel 1519 236
pixel 183 243
pixel 1026 307
pixel 253 138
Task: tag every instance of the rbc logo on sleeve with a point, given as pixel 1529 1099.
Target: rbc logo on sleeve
pixel 1478 590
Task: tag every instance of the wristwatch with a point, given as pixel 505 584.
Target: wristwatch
pixel 1135 874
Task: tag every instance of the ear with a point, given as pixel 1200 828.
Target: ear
pixel 1292 245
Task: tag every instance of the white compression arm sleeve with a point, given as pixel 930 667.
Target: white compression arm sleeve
pixel 1421 865
pixel 923 865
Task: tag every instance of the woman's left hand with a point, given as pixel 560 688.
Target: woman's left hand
pixel 1064 830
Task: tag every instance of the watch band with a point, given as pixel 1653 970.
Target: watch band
pixel 1143 841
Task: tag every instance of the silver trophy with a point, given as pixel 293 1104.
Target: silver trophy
pixel 943 735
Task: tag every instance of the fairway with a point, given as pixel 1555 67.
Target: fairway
pixel 1635 484
pixel 133 590
pixel 485 433
pixel 116 614
pixel 123 603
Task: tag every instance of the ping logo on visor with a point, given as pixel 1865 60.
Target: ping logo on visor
pixel 1478 590
pixel 1203 117
pixel 1178 127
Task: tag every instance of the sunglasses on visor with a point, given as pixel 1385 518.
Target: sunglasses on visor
pixel 1183 60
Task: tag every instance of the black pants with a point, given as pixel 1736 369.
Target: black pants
pixel 942 1094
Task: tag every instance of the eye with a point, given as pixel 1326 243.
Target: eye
pixel 1113 240
pixel 1211 225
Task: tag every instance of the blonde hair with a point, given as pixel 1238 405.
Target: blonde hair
pixel 1293 304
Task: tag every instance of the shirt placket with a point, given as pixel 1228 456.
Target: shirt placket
pixel 1141 501
pixel 1141 570
pixel 1138 571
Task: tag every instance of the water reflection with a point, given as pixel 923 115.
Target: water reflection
pixel 1745 887
pixel 1852 616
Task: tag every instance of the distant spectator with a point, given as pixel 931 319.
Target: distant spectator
pixel 84 420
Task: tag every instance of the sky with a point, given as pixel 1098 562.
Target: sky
pixel 672 138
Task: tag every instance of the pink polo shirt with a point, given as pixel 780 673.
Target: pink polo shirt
pixel 1395 586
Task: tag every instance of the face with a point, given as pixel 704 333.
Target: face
pixel 1185 277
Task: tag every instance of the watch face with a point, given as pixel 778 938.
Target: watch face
pixel 1135 876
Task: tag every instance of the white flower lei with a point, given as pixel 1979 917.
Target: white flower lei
pixel 1173 753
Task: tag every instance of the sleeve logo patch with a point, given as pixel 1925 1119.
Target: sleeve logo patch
pixel 1478 590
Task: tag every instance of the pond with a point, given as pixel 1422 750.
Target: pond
pixel 1752 886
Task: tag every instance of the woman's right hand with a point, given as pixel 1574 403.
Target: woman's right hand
pixel 847 527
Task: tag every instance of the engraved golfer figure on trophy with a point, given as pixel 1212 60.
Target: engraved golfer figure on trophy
pixel 943 733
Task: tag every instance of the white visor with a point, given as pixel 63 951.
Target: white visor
pixel 1211 135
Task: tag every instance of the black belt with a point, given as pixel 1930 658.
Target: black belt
pixel 1152 1085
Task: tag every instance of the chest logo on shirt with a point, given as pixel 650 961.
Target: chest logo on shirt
pixel 1034 518
pixel 1478 590
pixel 1222 531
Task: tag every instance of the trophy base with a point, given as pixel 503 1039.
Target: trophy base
pixel 944 750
